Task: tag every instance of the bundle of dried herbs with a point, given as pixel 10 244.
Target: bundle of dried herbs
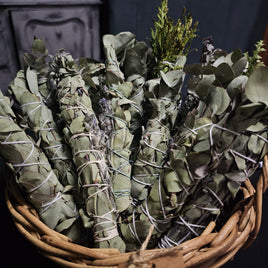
pixel 39 118
pixel 223 140
pixel 86 140
pixel 36 177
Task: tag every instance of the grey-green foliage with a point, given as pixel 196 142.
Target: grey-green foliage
pixel 127 60
pixel 117 112
pixel 88 149
pixel 163 95
pixel 224 140
pixel 118 144
pixel 39 118
pixel 36 177
pixel 38 61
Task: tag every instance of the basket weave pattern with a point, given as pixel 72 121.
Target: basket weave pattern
pixel 211 249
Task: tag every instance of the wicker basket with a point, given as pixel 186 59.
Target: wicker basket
pixel 211 249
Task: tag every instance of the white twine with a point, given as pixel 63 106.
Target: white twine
pixel 233 152
pixel 134 231
pixel 205 208
pixel 117 118
pixel 97 192
pixel 160 197
pixel 143 175
pixel 34 109
pixel 81 135
pixel 215 195
pixel 150 164
pixel 109 232
pixel 192 225
pixel 116 152
pixel 166 242
pixel 262 138
pixel 150 218
pixel 41 184
pixel 23 164
pixel 46 206
pixel 81 168
pixel 88 151
pixel 154 148
pixel 58 148
pixel 95 185
pixel 59 195
pixel 48 128
pixel 5 117
pixel 188 226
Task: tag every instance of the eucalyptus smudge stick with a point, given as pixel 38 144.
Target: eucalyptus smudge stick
pixel 120 115
pixel 38 60
pixel 225 141
pixel 163 95
pixel 120 46
pixel 39 118
pixel 119 142
pixel 86 140
pixel 36 177
pixel 157 209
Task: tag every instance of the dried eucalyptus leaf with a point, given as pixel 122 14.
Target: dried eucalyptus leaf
pixel 218 100
pixel 257 86
pixel 233 187
pixel 258 127
pixel 236 55
pixel 32 82
pixel 193 69
pixel 88 149
pixel 224 74
pixel 240 65
pixel 35 175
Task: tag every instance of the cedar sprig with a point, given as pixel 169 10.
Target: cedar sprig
pixel 169 40
pixel 255 60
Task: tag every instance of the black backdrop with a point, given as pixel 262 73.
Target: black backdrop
pixel 232 24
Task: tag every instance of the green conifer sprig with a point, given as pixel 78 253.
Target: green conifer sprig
pixel 255 60
pixel 169 40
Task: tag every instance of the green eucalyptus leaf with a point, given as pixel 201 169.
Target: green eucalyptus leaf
pixel 205 85
pixel 193 69
pixel 233 187
pixel 256 88
pixel 172 183
pixel 224 74
pixel 240 65
pixel 236 85
pixel 31 77
pixel 236 176
pixel 218 100
pixel 236 55
pixel 257 127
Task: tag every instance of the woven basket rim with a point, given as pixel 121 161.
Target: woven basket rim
pixel 210 249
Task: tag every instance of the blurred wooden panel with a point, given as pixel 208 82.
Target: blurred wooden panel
pixel 76 29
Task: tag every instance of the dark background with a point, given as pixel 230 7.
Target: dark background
pixel 232 24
